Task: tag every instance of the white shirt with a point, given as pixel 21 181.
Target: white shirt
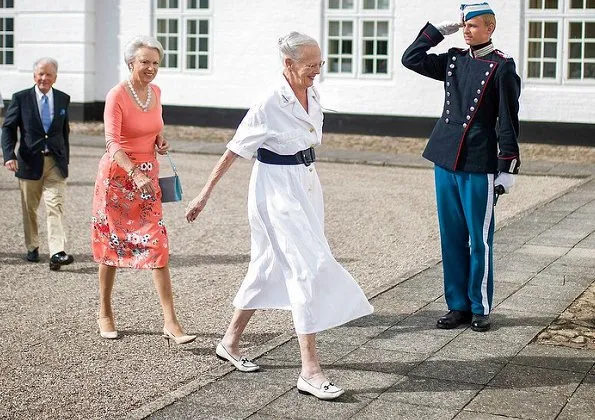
pixel 280 124
pixel 50 96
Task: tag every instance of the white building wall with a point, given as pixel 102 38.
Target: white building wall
pixel 87 37
pixel 60 29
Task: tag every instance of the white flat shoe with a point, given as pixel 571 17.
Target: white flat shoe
pixel 108 335
pixel 242 363
pixel 327 390
pixel 181 339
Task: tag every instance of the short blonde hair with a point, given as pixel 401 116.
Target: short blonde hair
pixel 489 19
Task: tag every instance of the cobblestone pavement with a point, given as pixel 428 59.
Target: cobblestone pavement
pixel 382 227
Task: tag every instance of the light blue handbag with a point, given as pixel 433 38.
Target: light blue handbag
pixel 171 187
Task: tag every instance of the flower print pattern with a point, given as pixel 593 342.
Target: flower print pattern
pixel 127 225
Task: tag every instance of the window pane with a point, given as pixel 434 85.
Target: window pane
pixel 368 66
pixel 191 61
pixel 382 28
pixel 9 41
pixel 9 57
pixel 203 44
pixel 173 26
pixel 204 4
pixel 347 4
pixel 534 49
pixel 192 27
pixel 203 62
pixel 173 60
pixel 369 4
pixel 551 4
pixel 575 50
pixel 535 4
pixel 589 30
pixel 191 4
pixel 383 4
pixel 172 43
pixel 333 4
pixel 549 70
pixel 333 28
pixel 382 47
pixel 346 65
pixel 203 27
pixel 576 4
pixel 590 4
pixel 368 28
pixel 575 30
pixel 1 43
pixel 534 70
pixel 574 70
pixel 333 47
pixel 333 65
pixel 589 49
pixel 382 66
pixel 9 4
pixel 191 44
pixel 549 49
pixel 346 47
pixel 161 25
pixel 551 30
pixel 1 24
pixel 534 29
pixel 161 4
pixel 347 28
pixel 589 71
pixel 9 24
pixel 368 47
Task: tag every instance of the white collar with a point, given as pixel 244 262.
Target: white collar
pixel 39 94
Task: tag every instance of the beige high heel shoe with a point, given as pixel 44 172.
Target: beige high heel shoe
pixel 109 335
pixel 181 339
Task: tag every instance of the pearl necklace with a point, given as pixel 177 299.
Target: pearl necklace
pixel 144 106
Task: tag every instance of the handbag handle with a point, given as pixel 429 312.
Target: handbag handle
pixel 171 162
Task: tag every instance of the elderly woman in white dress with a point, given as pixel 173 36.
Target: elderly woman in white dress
pixel 291 265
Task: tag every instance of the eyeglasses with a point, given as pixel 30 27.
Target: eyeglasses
pixel 315 66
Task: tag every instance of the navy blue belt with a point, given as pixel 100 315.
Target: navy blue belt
pixel 305 157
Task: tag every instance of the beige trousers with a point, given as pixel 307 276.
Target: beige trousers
pixel 53 187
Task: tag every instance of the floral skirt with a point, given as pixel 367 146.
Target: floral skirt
pixel 127 225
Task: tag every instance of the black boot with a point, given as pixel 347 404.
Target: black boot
pixel 480 323
pixel 453 319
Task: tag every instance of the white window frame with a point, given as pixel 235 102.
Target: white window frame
pixel 183 14
pixel 563 15
pixel 358 15
pixel 9 13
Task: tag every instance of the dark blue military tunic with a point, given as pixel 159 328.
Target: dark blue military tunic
pixel 479 126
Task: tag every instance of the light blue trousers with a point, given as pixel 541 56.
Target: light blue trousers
pixel 465 202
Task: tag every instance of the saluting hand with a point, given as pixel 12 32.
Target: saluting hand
pixel 196 206
pixel 449 27
pixel 12 165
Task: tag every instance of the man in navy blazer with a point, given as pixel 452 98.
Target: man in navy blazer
pixel 40 114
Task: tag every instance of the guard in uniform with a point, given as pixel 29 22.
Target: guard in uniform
pixel 475 151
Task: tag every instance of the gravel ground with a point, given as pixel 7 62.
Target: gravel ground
pixel 380 222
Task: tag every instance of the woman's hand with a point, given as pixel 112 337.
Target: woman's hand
pixel 162 145
pixel 143 182
pixel 196 206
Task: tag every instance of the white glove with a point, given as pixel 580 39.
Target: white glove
pixel 448 27
pixel 506 180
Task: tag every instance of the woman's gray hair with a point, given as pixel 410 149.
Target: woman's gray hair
pixel 45 60
pixel 291 44
pixel 141 41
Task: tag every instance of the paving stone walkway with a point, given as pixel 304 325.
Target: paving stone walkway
pixel 396 365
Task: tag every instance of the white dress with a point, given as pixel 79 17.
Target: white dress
pixel 291 265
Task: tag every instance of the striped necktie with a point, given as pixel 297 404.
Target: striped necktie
pixel 46 118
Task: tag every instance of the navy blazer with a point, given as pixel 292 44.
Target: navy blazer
pixel 23 114
pixel 479 126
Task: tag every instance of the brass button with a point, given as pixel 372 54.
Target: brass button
pixel 311 130
pixel 46 136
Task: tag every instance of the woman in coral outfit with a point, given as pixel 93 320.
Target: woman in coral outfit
pixel 128 229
